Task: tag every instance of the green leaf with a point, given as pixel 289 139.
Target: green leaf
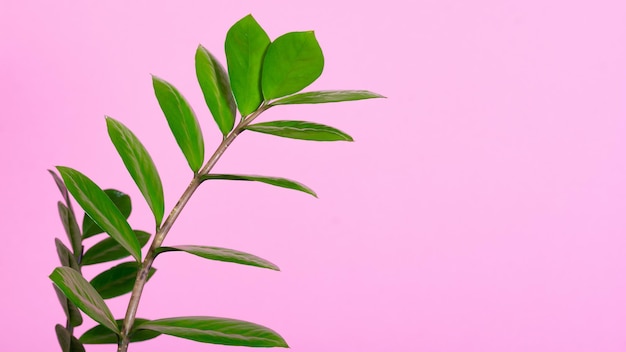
pixel 61 187
pixel 71 228
pixel 122 203
pixel 215 86
pixel 292 62
pixel 65 255
pixel 71 312
pixel 101 335
pixel 326 96
pixel 68 342
pixel 222 254
pixel 220 331
pixel 274 181
pixel 246 44
pixel 140 166
pixel 118 280
pixel 300 130
pixel 83 295
pixel 108 250
pixel 182 121
pixel 101 209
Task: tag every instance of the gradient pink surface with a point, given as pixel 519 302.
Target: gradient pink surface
pixel 481 208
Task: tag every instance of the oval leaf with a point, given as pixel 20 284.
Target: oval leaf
pixel 118 280
pixel 215 87
pixel 101 335
pixel 83 295
pixel 71 312
pixel 122 203
pixel 108 250
pixel 246 44
pixel 71 228
pixel 68 342
pixel 301 130
pixel 182 121
pixel 65 255
pixel 222 331
pixel 140 166
pixel 222 254
pixel 292 62
pixel 274 181
pixel 327 96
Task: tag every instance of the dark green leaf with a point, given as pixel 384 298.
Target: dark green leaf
pixel 101 209
pixel 122 203
pixel 71 312
pixel 215 86
pixel 108 250
pixel 301 130
pixel 71 228
pixel 65 255
pixel 182 121
pixel 222 254
pixel 140 166
pixel 327 96
pixel 292 62
pixel 274 181
pixel 83 295
pixel 246 44
pixel 61 187
pixel 101 335
pixel 118 280
pixel 222 331
pixel 68 342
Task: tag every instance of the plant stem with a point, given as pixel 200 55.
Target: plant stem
pixel 142 275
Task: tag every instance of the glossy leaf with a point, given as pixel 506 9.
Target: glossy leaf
pixel 301 130
pixel 68 342
pixel 122 203
pixel 182 121
pixel 108 250
pixel 246 44
pixel 222 331
pixel 101 335
pixel 292 62
pixel 327 96
pixel 65 255
pixel 71 312
pixel 118 280
pixel 71 228
pixel 140 166
pixel 215 86
pixel 101 209
pixel 83 295
pixel 222 254
pixel 274 181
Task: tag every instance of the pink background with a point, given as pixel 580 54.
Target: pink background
pixel 481 208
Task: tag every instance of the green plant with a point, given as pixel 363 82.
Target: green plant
pixel 261 74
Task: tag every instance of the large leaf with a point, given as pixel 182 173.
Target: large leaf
pixel 222 331
pixel 108 249
pixel 71 228
pixel 68 342
pixel 246 44
pixel 101 209
pixel 274 181
pixel 83 295
pixel 101 335
pixel 301 130
pixel 222 254
pixel 215 86
pixel 71 312
pixel 122 203
pixel 182 121
pixel 140 166
pixel 292 62
pixel 65 255
pixel 118 280
pixel 326 96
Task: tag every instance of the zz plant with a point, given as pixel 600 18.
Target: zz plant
pixel 261 74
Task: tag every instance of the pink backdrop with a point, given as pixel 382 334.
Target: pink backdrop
pixel 481 208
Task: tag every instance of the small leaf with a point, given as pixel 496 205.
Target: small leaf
pixel 68 342
pixel 246 44
pixel 328 96
pixel 215 86
pixel 118 280
pixel 274 181
pixel 71 312
pixel 65 255
pixel 222 254
pixel 101 209
pixel 182 121
pixel 301 130
pixel 292 62
pixel 140 166
pixel 71 228
pixel 83 295
pixel 122 203
pixel 101 335
pixel 61 187
pixel 108 250
pixel 220 331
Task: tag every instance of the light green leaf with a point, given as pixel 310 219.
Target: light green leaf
pixel 222 254
pixel 83 295
pixel 326 96
pixel 274 181
pixel 108 250
pixel 118 280
pixel 68 342
pixel 182 121
pixel 222 331
pixel 292 62
pixel 65 255
pixel 215 86
pixel 71 312
pixel 246 44
pixel 71 228
pixel 140 166
pixel 122 203
pixel 101 335
pixel 300 130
